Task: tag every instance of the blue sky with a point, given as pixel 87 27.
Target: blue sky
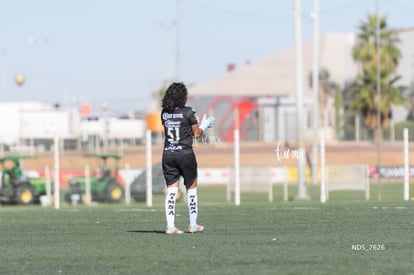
pixel 91 51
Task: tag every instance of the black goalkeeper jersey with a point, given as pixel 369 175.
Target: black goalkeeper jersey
pixel 178 129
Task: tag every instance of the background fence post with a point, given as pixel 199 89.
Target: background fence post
pixel 149 168
pixel 406 166
pixel 56 172
pixel 236 167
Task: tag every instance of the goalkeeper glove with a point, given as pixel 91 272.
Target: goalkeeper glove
pixel 207 122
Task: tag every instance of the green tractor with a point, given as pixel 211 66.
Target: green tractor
pixel 16 188
pixel 104 187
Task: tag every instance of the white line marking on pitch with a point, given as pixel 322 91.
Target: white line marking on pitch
pixel 387 207
pixel 297 208
pixel 136 210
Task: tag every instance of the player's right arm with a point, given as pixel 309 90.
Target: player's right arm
pixel 197 132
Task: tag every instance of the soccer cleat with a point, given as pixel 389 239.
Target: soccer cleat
pixel 173 231
pixel 196 229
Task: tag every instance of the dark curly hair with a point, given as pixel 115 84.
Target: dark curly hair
pixel 175 97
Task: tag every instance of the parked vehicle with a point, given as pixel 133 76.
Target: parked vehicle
pixel 16 187
pixel 139 185
pixel 104 187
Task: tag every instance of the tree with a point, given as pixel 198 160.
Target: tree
pixel 364 96
pixel 327 89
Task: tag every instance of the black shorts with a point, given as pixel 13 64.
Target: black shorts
pixel 176 164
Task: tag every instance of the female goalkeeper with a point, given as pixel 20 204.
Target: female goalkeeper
pixel 178 160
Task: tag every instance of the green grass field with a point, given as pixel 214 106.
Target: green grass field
pixel 347 235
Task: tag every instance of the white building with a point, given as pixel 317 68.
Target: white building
pixel 35 124
pixel 114 129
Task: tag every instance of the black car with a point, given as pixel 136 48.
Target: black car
pixel 139 185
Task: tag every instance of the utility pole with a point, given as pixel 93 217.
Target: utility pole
pixel 302 192
pixel 315 88
pixel 379 129
pixel 177 53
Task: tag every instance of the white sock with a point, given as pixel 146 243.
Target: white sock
pixel 170 199
pixel 192 206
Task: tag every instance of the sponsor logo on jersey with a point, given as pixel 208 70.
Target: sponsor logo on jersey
pixel 166 116
pixel 173 148
pixel 170 123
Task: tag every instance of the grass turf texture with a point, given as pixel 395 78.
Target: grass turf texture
pixel 256 237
